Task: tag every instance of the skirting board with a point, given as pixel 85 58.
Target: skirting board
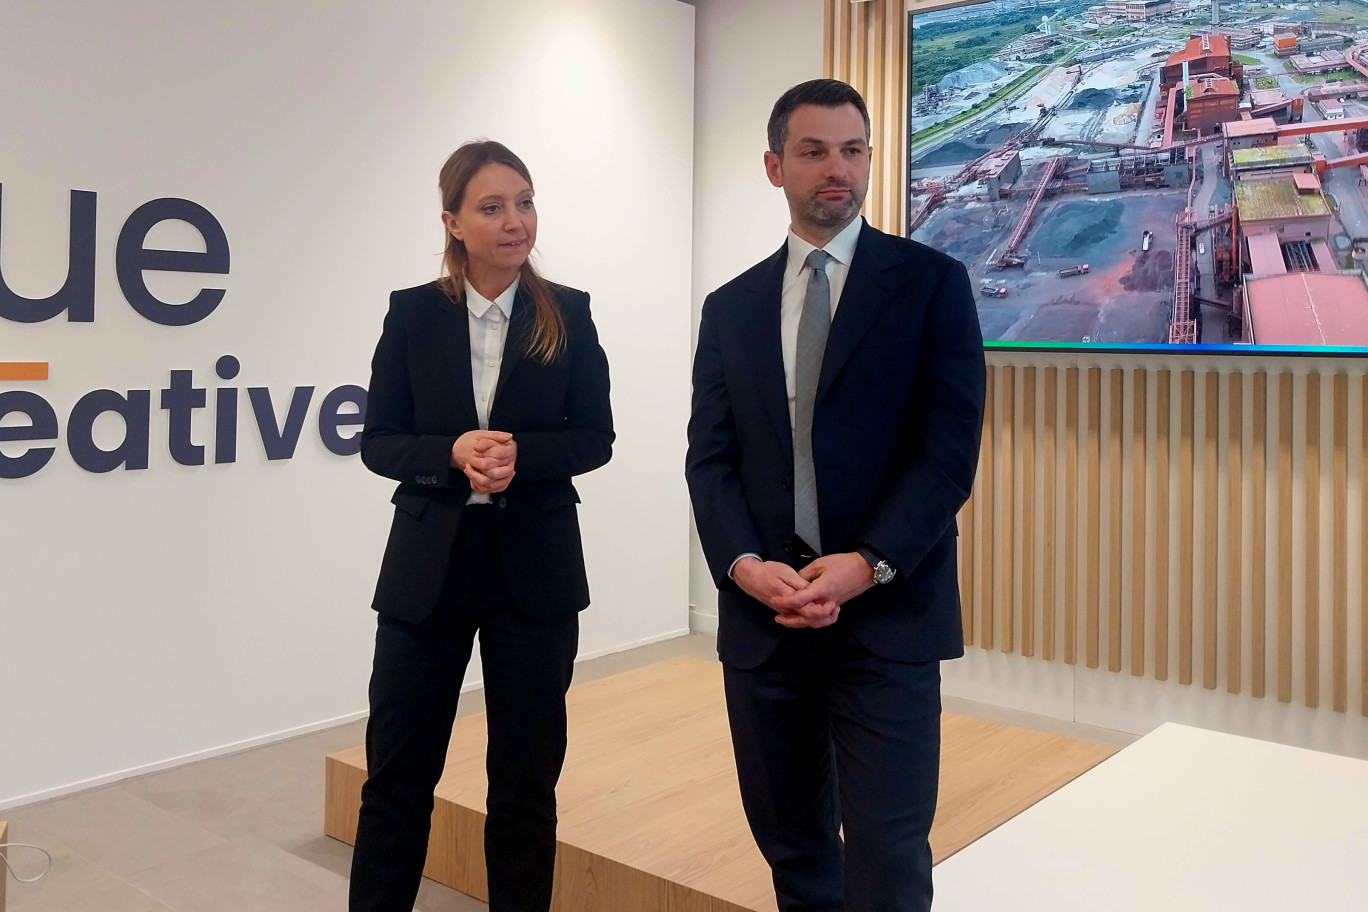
pixel 275 737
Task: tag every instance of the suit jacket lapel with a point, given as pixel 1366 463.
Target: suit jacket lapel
pixel 762 337
pixel 867 292
pixel 515 344
pixel 454 327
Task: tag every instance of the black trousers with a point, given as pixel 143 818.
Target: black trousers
pixel 830 737
pixel 414 688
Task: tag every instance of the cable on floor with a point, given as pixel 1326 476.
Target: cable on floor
pixel 4 856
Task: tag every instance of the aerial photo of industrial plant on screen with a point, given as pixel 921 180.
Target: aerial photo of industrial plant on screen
pixel 1148 172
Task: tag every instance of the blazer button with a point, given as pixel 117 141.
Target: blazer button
pixel 788 484
pixel 503 502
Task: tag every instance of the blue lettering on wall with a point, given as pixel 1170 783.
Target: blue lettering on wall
pixel 42 425
pixel 77 294
pixel 344 408
pixel 131 259
pixel 135 408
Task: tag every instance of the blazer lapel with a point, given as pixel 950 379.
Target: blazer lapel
pixel 868 289
pixel 454 327
pixel 761 334
pixel 515 343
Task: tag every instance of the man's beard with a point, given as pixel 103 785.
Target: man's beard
pixel 830 214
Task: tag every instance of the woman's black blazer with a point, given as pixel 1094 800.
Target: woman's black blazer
pixel 422 398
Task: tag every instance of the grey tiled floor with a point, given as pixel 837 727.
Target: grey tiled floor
pixel 244 832
pixel 240 833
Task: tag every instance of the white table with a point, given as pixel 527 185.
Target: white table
pixel 1184 819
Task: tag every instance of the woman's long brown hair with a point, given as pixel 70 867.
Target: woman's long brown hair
pixel 548 332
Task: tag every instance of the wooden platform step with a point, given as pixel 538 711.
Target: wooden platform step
pixel 650 814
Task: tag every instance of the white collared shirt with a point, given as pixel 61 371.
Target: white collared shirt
pixel 488 332
pixel 796 272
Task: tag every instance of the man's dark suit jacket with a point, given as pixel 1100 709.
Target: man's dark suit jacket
pixel 896 430
pixel 422 399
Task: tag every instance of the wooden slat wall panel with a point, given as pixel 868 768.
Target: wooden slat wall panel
pixel 1116 530
pixel 1339 552
pixel 1186 523
pixel 1136 526
pixel 1211 521
pixel 1163 491
pixel 1211 533
pixel 1312 539
pixel 1258 605
pixel 1049 472
pixel 1005 518
pixel 1235 547
pixel 865 45
pixel 1093 530
pixel 1284 521
pixel 1363 540
pixel 1071 507
pixel 1032 542
pixel 1029 534
pixel 983 491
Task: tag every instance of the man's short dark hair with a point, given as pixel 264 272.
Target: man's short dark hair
pixel 825 93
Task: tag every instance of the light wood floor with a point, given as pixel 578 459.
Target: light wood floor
pixel 650 815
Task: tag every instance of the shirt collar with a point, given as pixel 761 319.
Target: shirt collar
pixel 479 305
pixel 841 247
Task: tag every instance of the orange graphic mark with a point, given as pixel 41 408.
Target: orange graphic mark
pixel 23 370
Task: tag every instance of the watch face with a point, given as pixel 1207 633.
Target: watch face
pixel 883 573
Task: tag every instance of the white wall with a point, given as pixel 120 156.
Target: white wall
pixel 160 614
pixel 749 52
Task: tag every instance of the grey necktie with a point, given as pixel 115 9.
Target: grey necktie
pixel 813 327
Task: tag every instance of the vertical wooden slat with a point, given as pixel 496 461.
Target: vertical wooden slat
pixel 1028 534
pixel 897 115
pixel 1163 442
pixel 830 37
pixel 1339 595
pixel 988 528
pixel 1258 467
pixel 1071 503
pixel 967 531
pixel 1093 493
pixel 1006 520
pixel 1186 516
pixel 1312 563
pixel 1116 529
pixel 1284 555
pixel 871 85
pixel 1136 527
pixel 1049 470
pixel 1363 539
pixel 1211 530
pixel 1234 535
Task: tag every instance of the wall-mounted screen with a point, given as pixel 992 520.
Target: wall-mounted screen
pixel 1145 174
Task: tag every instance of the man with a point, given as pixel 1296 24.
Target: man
pixel 837 406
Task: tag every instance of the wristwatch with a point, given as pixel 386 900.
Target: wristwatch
pixel 883 570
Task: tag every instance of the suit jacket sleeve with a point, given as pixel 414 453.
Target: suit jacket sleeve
pixel 920 500
pixel 586 441
pixel 712 467
pixel 389 446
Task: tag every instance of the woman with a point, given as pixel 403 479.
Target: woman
pixel 489 392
